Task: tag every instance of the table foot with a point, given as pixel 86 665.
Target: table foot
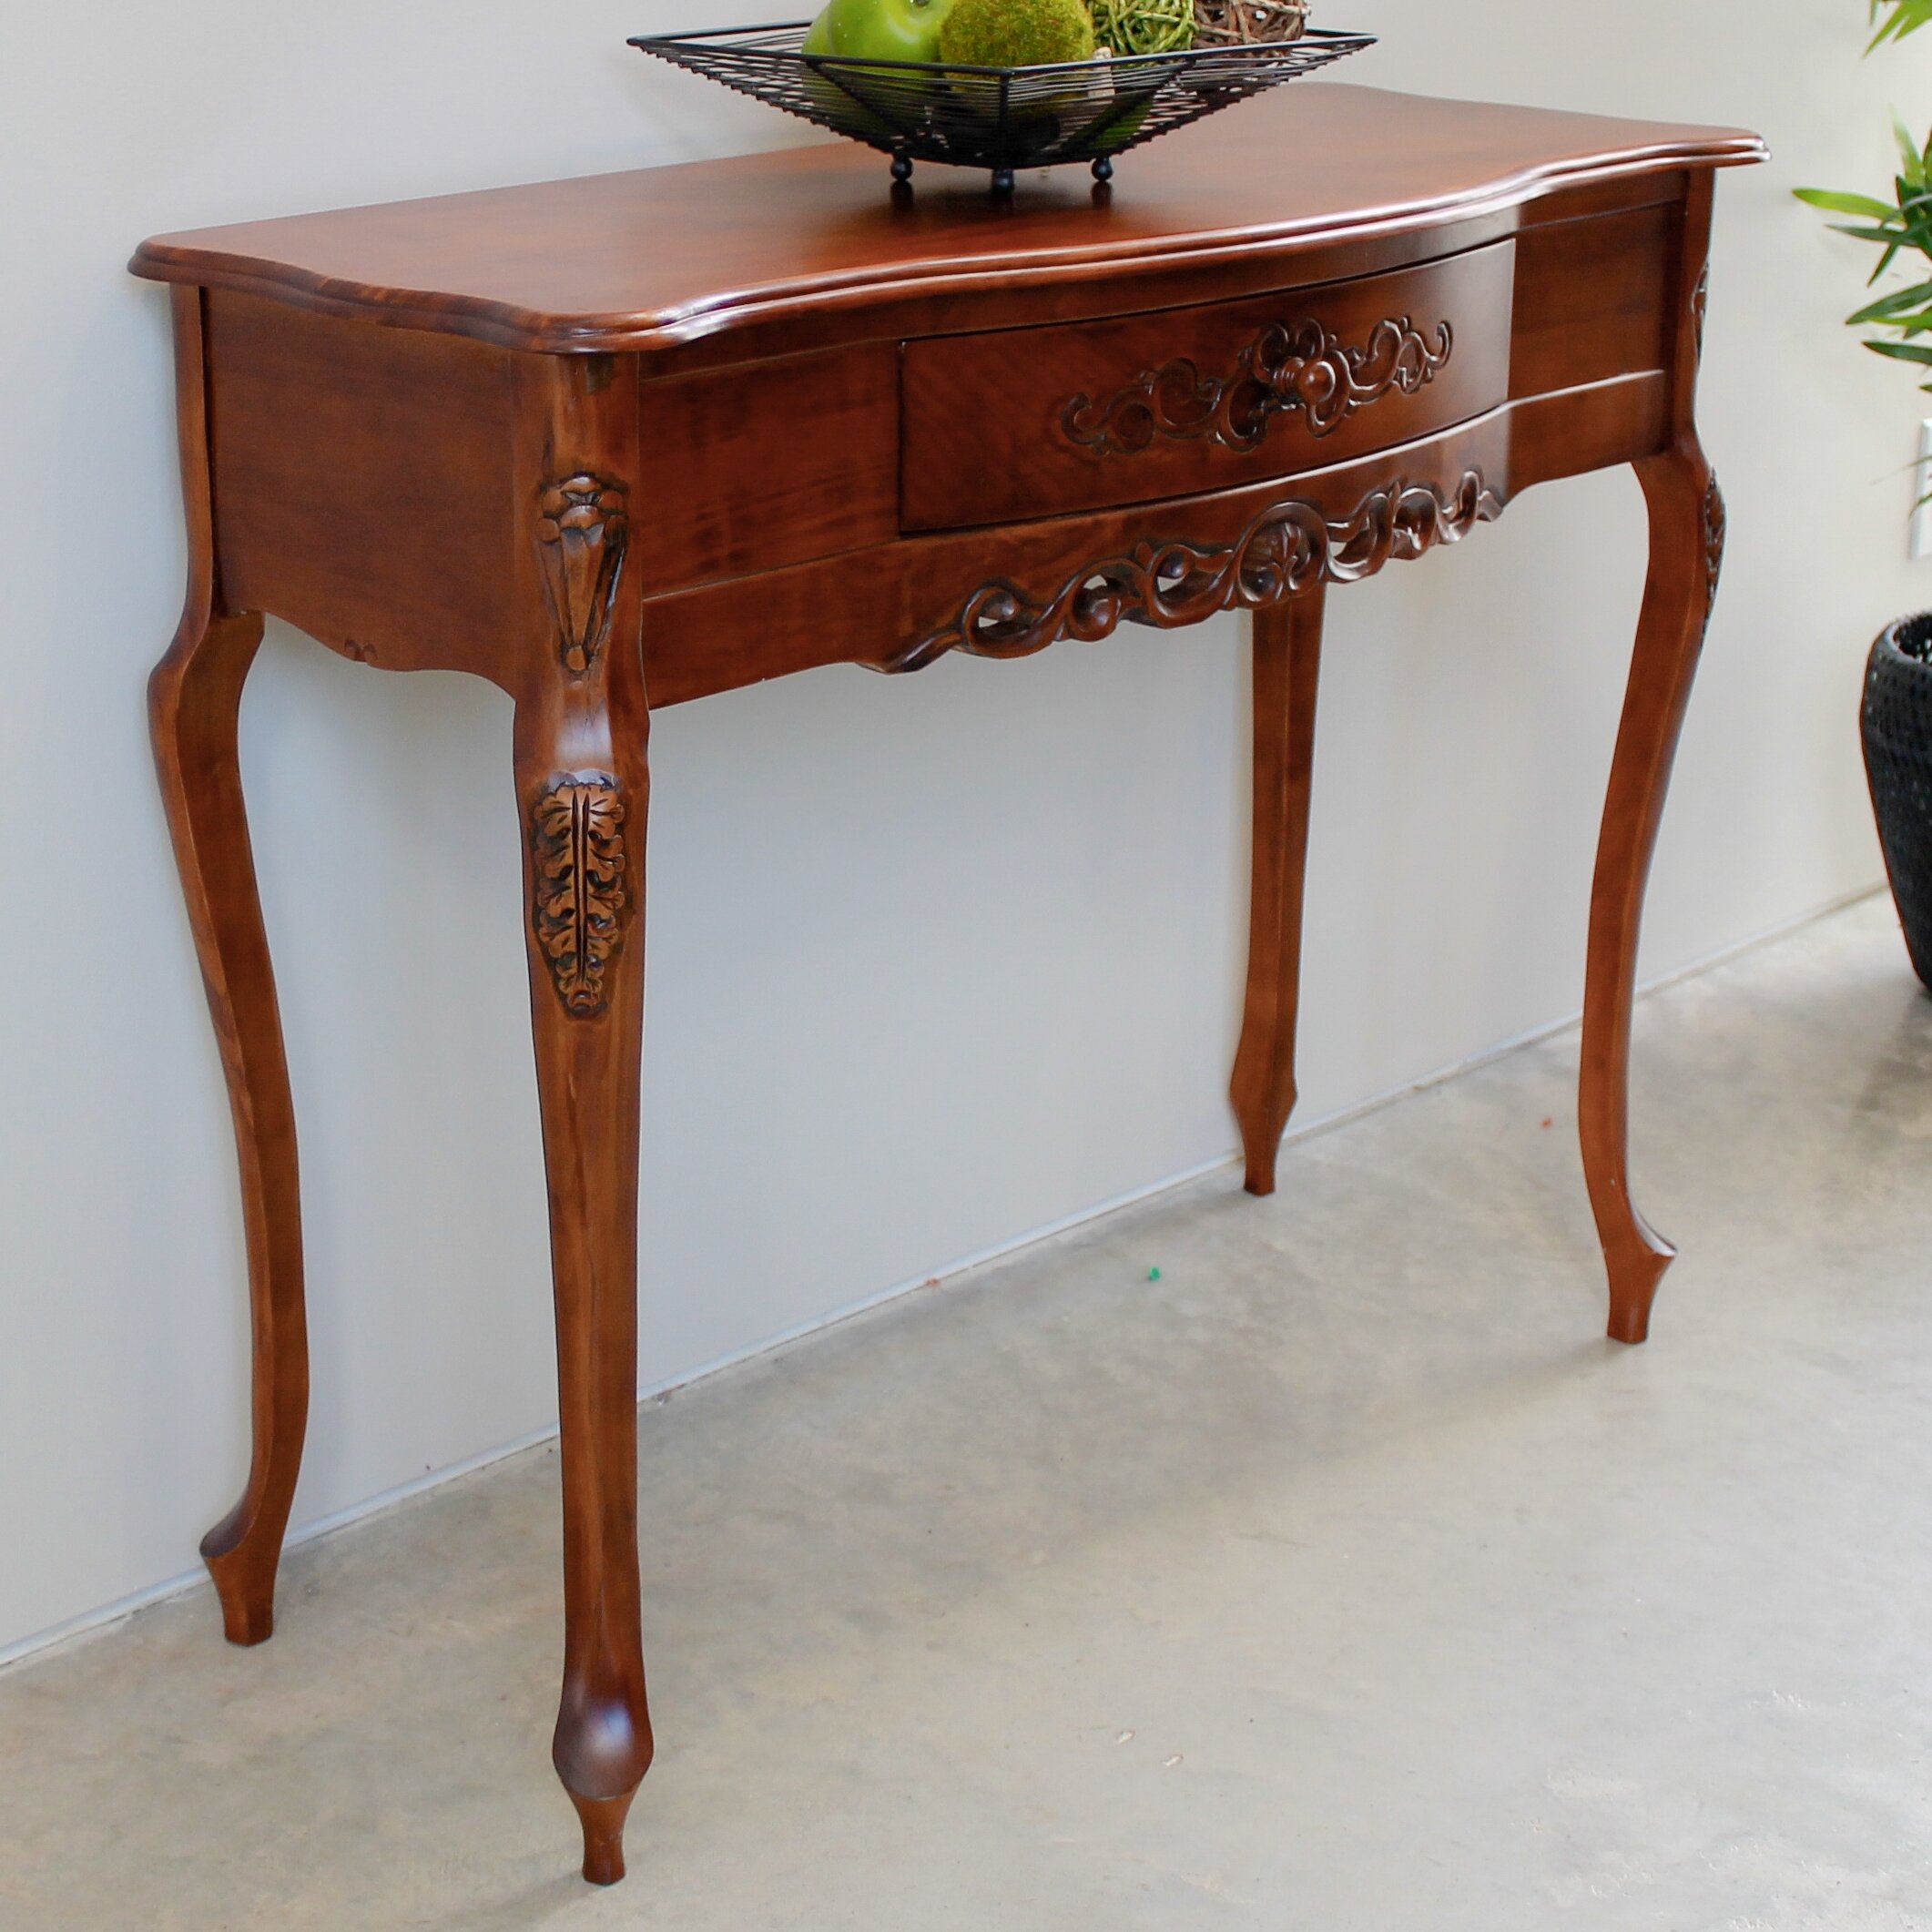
pixel 1635 1274
pixel 603 1821
pixel 243 1565
pixel 1287 668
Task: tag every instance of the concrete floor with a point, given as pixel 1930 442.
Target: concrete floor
pixel 1346 1578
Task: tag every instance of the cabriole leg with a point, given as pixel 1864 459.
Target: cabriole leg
pixel 1687 530
pixel 1288 667
pixel 194 702
pixel 583 781
pixel 583 786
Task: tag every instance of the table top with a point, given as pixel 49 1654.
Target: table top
pixel 659 256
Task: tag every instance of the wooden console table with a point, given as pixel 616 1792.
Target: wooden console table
pixel 619 442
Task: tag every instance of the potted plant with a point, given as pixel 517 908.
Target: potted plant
pixel 1896 718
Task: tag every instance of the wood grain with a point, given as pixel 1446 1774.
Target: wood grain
pixel 873 606
pixel 194 701
pixel 362 486
pixel 754 468
pixel 1594 300
pixel 1287 676
pixel 807 242
pixel 986 416
pixel 588 734
pixel 1686 550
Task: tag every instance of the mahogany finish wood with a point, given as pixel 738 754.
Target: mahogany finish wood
pixel 1687 548
pixel 1287 674
pixel 797 247
pixel 1593 299
pixel 673 431
pixel 377 518
pixel 193 703
pixel 1019 423
pixel 583 782
pixel 833 489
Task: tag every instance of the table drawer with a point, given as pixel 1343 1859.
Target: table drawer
pixel 1028 423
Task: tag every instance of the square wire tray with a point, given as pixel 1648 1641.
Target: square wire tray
pixel 1000 118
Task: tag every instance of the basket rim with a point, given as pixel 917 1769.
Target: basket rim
pixel 721 39
pixel 1887 639
pixel 965 114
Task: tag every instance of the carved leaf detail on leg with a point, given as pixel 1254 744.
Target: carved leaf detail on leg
pixel 583 533
pixel 576 827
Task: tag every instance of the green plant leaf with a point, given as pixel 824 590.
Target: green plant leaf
pixel 1910 153
pixel 1907 16
pixel 1907 320
pixel 1896 303
pixel 1912 325
pixel 1887 237
pixel 1834 203
pixel 1893 228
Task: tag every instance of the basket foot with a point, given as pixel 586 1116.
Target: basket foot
pixel 1002 180
pixel 901 168
pixel 1102 168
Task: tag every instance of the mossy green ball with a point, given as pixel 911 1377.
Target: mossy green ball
pixel 1016 33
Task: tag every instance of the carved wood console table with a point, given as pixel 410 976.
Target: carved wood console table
pixel 616 443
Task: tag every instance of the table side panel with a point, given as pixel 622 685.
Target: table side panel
pixel 1594 299
pixel 362 485
pixel 1037 422
pixel 754 468
pixel 1571 431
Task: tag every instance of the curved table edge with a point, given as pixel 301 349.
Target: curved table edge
pixel 508 326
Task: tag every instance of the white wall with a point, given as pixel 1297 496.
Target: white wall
pixel 934 961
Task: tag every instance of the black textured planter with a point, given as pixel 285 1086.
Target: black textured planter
pixel 1897 717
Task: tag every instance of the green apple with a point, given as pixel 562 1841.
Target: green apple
pixel 839 99
pixel 880 29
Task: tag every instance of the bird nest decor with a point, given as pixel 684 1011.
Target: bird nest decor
pixel 1007 119
pixel 1145 26
pixel 1244 23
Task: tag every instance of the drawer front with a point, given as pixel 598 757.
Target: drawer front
pixel 1026 422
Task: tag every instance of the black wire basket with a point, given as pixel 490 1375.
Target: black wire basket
pixel 1001 119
